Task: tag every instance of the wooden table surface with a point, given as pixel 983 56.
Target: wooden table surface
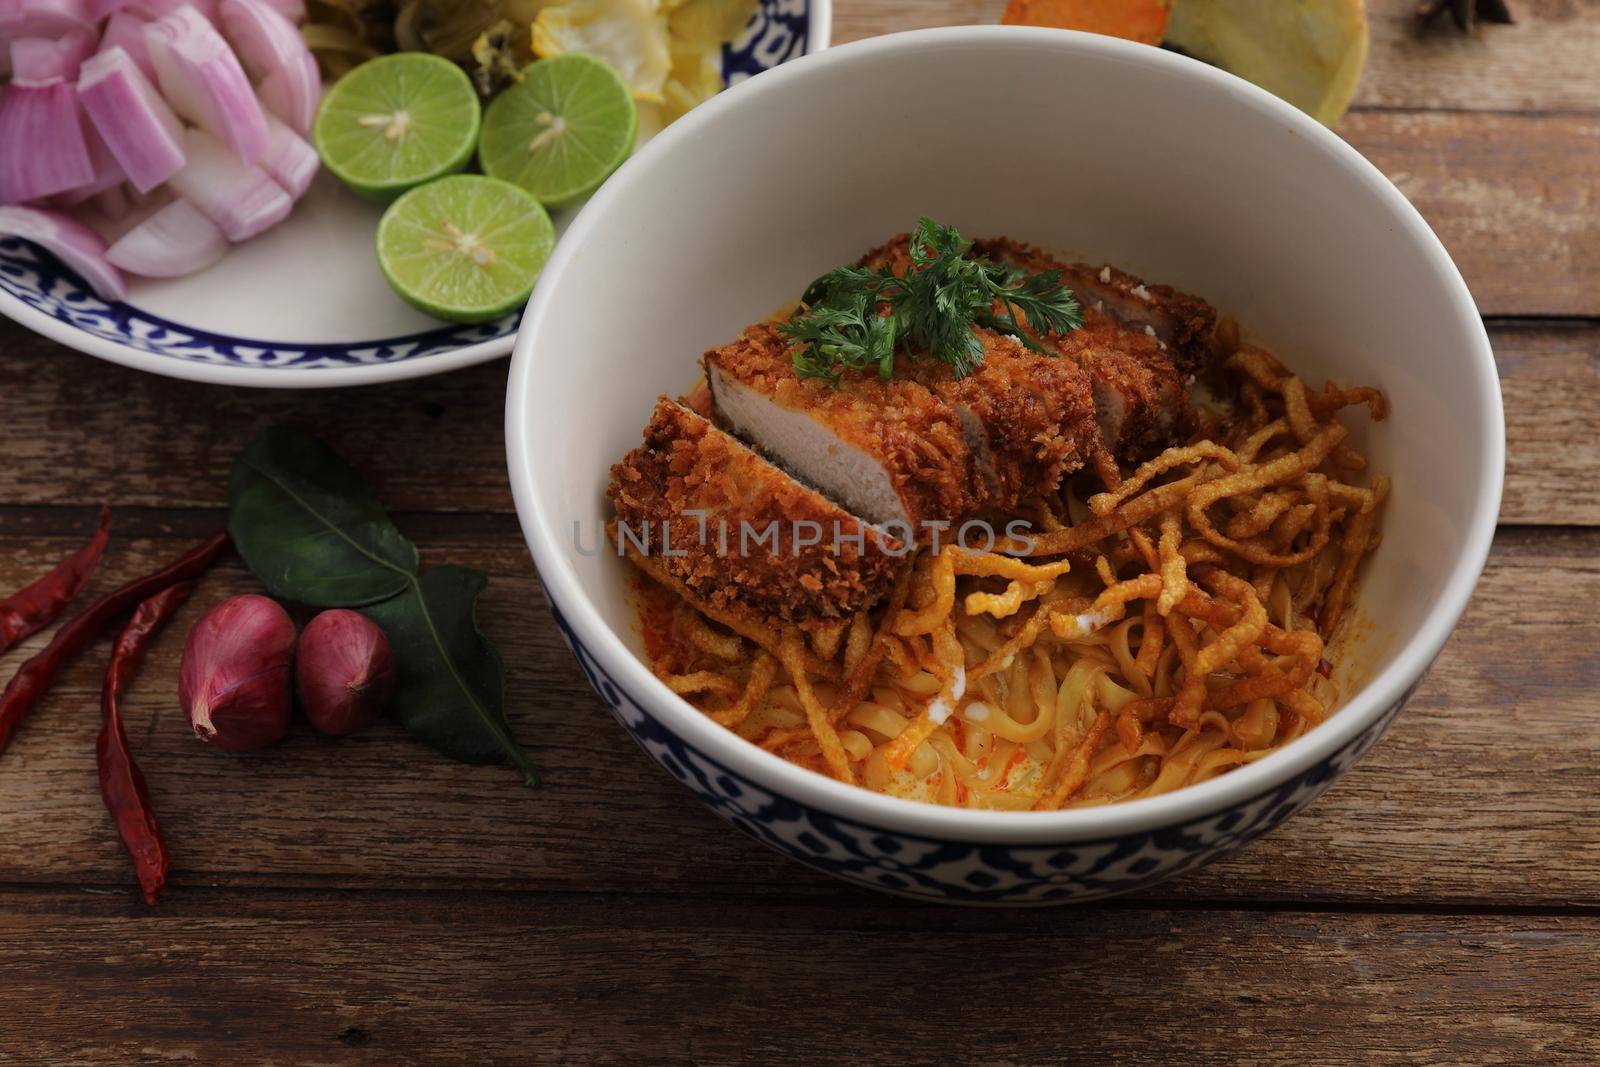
pixel 366 901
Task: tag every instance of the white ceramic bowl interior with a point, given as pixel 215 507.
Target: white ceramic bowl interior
pixel 1111 150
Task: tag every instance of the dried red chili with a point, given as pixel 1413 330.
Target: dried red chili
pixel 34 677
pixel 27 611
pixel 121 781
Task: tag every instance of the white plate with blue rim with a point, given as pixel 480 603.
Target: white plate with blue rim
pixel 304 306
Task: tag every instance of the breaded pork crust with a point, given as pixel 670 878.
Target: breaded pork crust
pixel 895 254
pixel 1139 394
pixel 1034 417
pixel 899 423
pixel 1183 323
pixel 1037 410
pixel 687 466
pixel 1132 377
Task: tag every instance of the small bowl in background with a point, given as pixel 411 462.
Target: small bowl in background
pixel 304 305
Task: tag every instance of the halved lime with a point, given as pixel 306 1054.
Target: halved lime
pixel 562 130
pixel 397 121
pixel 464 248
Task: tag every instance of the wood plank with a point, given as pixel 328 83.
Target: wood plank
pixel 1543 63
pixel 80 431
pixel 1484 790
pixel 397 979
pixel 1512 197
pixel 1550 380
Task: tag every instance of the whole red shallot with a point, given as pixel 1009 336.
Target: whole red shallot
pixel 344 671
pixel 234 682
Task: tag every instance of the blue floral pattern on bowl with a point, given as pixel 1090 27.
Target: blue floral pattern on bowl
pixel 955 872
pixel 780 30
pixel 37 279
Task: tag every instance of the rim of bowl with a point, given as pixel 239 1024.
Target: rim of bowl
pixel 1364 708
pixel 819 36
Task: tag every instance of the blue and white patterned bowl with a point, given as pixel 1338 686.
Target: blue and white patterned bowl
pixel 304 306
pixel 1178 171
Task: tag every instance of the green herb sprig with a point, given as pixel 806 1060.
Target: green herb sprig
pixel 856 318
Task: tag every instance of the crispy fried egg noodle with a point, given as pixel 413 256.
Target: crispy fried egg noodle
pixel 1156 635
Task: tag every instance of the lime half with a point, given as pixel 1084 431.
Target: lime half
pixel 397 121
pixel 464 248
pixel 562 130
pixel 1310 53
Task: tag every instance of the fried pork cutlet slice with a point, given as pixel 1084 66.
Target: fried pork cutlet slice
pixel 741 534
pixel 1184 324
pixel 1029 417
pixel 1140 401
pixel 890 451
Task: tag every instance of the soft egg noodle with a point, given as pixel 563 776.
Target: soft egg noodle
pixel 1171 629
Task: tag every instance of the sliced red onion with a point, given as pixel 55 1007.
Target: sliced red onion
pixel 140 129
pixel 293 10
pixel 292 93
pixel 290 160
pixel 79 247
pixel 99 9
pixel 240 199
pixel 113 204
pixel 44 118
pixel 126 32
pixel 43 18
pixel 177 240
pixel 159 198
pixel 41 60
pixel 202 80
pixel 116 211
pixel 155 9
pixel 108 173
pixel 269 46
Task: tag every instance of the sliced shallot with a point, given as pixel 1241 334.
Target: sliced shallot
pixel 293 10
pixel 126 32
pixel 269 46
pixel 177 240
pixel 108 173
pixel 202 80
pixel 154 9
pixel 117 211
pixel 41 60
pixel 292 92
pixel 70 241
pixel 113 204
pixel 135 122
pixel 43 18
pixel 290 160
pixel 240 199
pixel 44 118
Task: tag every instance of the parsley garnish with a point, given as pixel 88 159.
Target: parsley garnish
pixel 931 311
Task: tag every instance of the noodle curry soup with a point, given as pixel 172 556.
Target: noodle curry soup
pixel 981 528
